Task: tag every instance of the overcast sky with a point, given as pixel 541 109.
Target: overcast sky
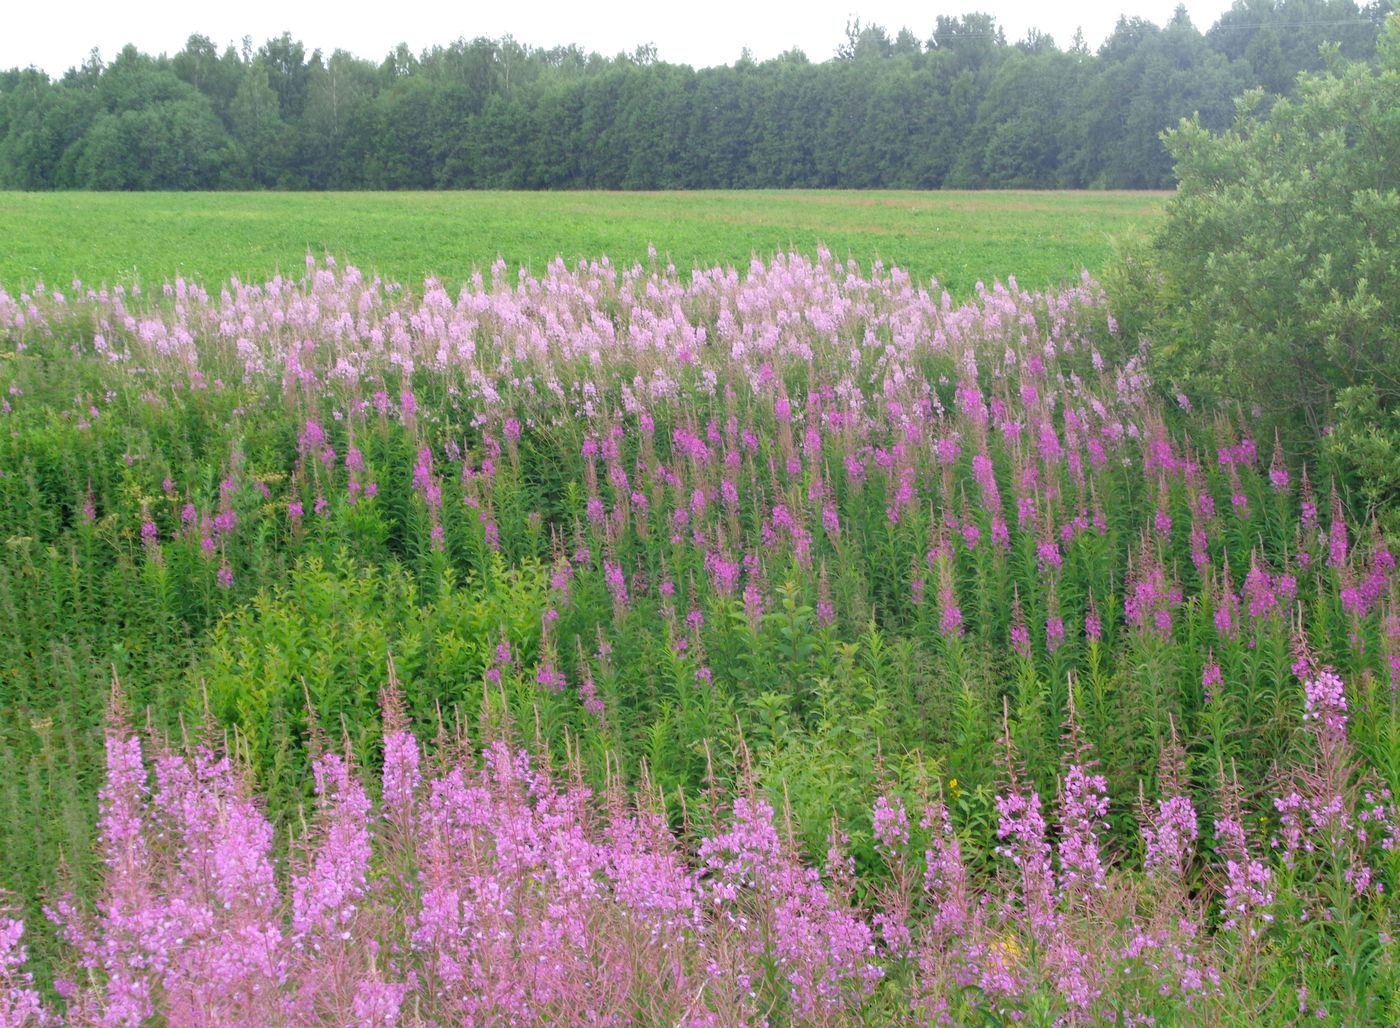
pixel 699 33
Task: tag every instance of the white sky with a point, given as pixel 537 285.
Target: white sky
pixel 696 32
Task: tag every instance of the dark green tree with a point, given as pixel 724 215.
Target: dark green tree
pixel 258 128
pixel 339 93
pixel 965 109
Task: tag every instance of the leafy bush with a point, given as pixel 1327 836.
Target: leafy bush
pixel 1365 439
pixel 1274 279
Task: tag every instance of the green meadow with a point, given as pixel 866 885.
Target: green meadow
pixel 957 238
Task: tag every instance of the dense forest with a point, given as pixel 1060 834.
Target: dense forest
pixel 963 108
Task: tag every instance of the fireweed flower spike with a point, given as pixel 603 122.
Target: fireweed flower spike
pixel 562 483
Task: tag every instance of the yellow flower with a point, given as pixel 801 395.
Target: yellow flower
pixel 953 786
pixel 1009 947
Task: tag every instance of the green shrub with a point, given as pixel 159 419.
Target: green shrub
pixel 1365 439
pixel 1273 280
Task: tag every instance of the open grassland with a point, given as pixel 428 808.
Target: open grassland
pixel 1043 238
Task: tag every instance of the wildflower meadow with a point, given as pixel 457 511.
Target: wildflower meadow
pixel 789 644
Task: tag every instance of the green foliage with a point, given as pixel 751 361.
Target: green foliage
pixel 963 107
pixel 1273 279
pixel 1365 439
pixel 825 764
pixel 319 645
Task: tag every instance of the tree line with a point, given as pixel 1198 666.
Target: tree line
pixel 963 108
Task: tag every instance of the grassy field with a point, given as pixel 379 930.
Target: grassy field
pixel 959 238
